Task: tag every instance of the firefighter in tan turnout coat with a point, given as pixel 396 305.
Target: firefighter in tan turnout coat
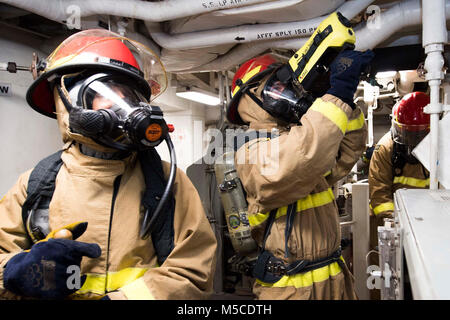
pixel 100 196
pixel 291 206
pixel 392 165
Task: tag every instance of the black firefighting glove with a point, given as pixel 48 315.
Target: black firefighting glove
pixel 345 74
pixel 43 271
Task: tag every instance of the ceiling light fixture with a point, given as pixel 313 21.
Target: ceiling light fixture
pixel 198 95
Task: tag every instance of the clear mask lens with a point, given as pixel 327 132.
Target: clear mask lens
pixel 111 93
pixel 120 98
pixel 283 101
pixel 277 91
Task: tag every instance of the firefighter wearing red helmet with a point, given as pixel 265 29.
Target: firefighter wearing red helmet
pixel 392 165
pixel 106 205
pixel 291 208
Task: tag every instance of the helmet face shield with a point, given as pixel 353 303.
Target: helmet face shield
pixel 248 76
pixel 410 134
pixel 410 124
pixel 99 46
pixel 96 51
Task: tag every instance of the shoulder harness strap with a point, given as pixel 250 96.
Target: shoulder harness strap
pixel 398 161
pixel 41 185
pixel 270 269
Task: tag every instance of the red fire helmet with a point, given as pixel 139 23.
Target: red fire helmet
pixel 99 50
pixel 248 72
pixel 410 124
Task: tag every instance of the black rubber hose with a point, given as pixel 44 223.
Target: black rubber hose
pixel 148 226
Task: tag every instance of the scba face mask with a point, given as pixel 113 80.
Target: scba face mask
pixel 108 109
pixel 284 101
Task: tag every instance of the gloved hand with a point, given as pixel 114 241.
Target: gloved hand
pixel 345 72
pixel 41 272
pixel 368 153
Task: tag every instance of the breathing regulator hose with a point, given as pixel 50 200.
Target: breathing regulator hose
pixel 148 224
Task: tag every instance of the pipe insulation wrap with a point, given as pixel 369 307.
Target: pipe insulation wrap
pixel 434 26
pixel 61 10
pixel 434 38
pixel 245 51
pixel 258 7
pixel 251 33
pixel 403 14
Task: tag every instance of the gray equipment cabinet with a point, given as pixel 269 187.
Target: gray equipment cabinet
pixel 420 231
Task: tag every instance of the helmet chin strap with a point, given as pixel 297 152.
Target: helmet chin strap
pixel 91 152
pixel 63 98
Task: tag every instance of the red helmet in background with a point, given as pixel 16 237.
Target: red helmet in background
pixel 248 73
pixel 409 122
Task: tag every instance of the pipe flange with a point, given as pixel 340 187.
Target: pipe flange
pixel 433 108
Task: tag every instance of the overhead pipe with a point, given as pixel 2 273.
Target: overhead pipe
pixel 434 37
pixel 243 52
pixel 401 15
pixel 397 17
pixel 260 7
pixel 60 10
pixel 250 33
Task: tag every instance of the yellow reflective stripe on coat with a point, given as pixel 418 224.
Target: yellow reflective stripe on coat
pixel 306 279
pixel 332 112
pixel 137 290
pixel 387 206
pixel 103 283
pixel 308 202
pixel 315 200
pixel 356 124
pixel 413 182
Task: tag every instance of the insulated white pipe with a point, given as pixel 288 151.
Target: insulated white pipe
pixel 370 109
pixel 243 52
pixel 406 81
pixel 260 7
pixel 394 19
pixel 251 33
pixel 403 14
pixel 434 38
pixel 61 10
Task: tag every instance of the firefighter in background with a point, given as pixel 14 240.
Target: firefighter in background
pixel 292 212
pixel 98 85
pixel 392 166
